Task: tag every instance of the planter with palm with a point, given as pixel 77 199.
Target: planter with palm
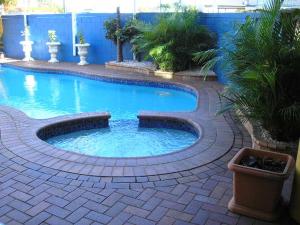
pixel 264 76
pixel 264 87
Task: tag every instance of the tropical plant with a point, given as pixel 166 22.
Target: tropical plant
pixel 264 81
pixel 8 4
pixel 173 39
pixel 81 38
pixel 52 35
pixel 118 34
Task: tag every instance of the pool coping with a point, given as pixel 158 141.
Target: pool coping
pixel 18 135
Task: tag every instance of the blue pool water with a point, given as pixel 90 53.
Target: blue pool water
pixel 124 139
pixel 45 95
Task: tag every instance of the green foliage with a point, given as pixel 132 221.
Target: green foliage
pixel 264 81
pixel 81 38
pixel 8 2
pixel 52 35
pixel 125 34
pixel 172 41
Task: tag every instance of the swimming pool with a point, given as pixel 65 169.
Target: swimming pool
pixel 47 94
pixel 43 95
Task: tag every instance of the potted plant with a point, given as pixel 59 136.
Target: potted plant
pixel 257 182
pixel 53 45
pixel 82 49
pixel 27 44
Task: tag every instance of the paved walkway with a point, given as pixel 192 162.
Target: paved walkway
pixel 31 193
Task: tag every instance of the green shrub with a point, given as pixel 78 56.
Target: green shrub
pixel 126 33
pixel 264 81
pixel 172 41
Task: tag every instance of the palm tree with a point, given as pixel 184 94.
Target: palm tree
pixel 264 76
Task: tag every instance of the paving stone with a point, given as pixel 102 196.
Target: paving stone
pixel 186 198
pixel 58 211
pixel 202 198
pixel 92 196
pixel 112 199
pixel 76 215
pixel 54 220
pixel 201 217
pixel 116 209
pixel 132 201
pixel 95 206
pixel 138 221
pixel 120 219
pixel 223 218
pixel 57 201
pixel 19 205
pixel 39 198
pixel 172 205
pixel 38 219
pixel 20 195
pixel 18 216
pixel 84 221
pixel 76 203
pixel 38 208
pixel 146 194
pixel 212 222
pixel 98 217
pixel 5 209
pixel 157 214
pixel 136 211
pixel 179 215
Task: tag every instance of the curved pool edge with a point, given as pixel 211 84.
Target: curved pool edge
pixel 119 80
pixel 18 135
pixel 63 125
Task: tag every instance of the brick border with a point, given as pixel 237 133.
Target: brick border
pixel 19 137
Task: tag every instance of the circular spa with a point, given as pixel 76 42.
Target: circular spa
pixel 126 138
pixel 43 95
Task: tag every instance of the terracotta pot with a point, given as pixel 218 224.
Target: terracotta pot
pixel 256 192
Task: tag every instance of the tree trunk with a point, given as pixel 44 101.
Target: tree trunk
pixel 119 42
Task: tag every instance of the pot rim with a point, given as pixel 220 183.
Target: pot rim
pixel 234 166
pixel 53 43
pixel 82 45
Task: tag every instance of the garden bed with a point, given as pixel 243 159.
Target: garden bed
pixel 149 68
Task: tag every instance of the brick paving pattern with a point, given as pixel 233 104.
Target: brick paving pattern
pixel 31 193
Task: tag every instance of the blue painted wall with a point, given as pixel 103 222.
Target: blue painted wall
pixel 223 24
pixel 91 25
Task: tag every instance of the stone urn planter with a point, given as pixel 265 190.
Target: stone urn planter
pixel 257 192
pixel 27 48
pixel 53 50
pixel 83 52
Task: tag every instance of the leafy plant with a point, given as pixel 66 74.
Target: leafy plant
pixel 125 33
pixel 115 32
pixel 8 4
pixel 172 41
pixel 52 35
pixel 264 81
pixel 81 38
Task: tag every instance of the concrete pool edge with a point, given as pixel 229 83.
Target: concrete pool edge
pixel 216 141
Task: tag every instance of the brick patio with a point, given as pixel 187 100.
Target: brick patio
pixel 36 192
